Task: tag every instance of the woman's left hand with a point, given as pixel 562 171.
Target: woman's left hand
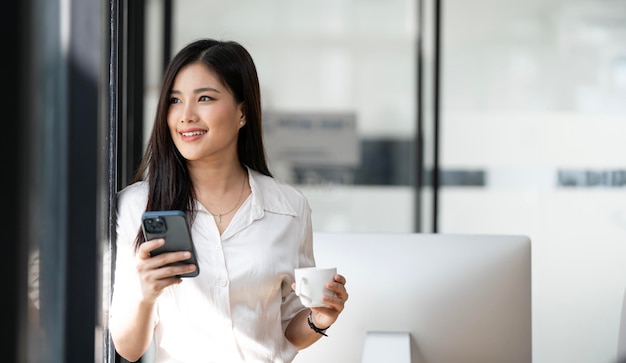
pixel 323 317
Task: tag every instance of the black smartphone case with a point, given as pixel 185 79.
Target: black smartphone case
pixel 171 225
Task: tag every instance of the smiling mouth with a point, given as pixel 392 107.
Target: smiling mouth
pixel 193 133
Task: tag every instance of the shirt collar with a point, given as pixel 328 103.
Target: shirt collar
pixel 267 195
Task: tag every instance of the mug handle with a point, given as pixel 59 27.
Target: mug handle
pixel 299 286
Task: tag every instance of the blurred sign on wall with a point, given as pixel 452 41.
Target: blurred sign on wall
pixel 311 139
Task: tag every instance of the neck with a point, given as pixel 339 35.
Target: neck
pixel 221 191
pixel 218 180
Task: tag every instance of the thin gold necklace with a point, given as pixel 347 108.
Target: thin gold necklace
pixel 219 215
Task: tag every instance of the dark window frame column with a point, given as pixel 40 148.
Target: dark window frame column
pixel 428 173
pixel 57 174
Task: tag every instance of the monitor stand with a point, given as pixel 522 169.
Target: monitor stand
pixel 387 347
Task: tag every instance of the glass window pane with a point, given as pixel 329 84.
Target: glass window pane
pixel 533 97
pixel 338 86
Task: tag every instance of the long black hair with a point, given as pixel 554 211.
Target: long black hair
pixel 162 164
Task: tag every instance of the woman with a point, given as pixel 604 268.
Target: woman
pixel 206 156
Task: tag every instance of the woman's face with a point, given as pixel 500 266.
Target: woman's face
pixel 203 117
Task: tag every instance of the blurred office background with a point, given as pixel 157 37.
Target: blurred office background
pixel 457 116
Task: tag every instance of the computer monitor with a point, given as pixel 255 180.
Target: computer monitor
pixel 450 298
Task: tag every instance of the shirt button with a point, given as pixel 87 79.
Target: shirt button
pixel 218 247
pixel 223 282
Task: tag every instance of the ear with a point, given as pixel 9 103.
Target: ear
pixel 242 116
pixel 242 110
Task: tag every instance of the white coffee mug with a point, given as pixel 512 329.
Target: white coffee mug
pixel 311 284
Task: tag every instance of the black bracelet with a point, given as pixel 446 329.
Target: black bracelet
pixel 312 326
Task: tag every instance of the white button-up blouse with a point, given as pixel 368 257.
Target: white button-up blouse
pixel 239 306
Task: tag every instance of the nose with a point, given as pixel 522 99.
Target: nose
pixel 188 113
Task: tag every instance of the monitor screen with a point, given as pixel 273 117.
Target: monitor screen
pixel 442 298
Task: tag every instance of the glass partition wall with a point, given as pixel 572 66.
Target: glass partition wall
pixel 533 98
pixel 338 92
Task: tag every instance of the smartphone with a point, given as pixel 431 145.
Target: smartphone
pixel 172 225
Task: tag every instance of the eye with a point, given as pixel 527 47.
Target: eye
pixel 174 100
pixel 205 98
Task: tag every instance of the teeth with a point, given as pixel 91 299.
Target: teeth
pixel 193 133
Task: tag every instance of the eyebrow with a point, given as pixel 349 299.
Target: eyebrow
pixel 198 90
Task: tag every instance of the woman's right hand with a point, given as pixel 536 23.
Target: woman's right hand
pixel 155 272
